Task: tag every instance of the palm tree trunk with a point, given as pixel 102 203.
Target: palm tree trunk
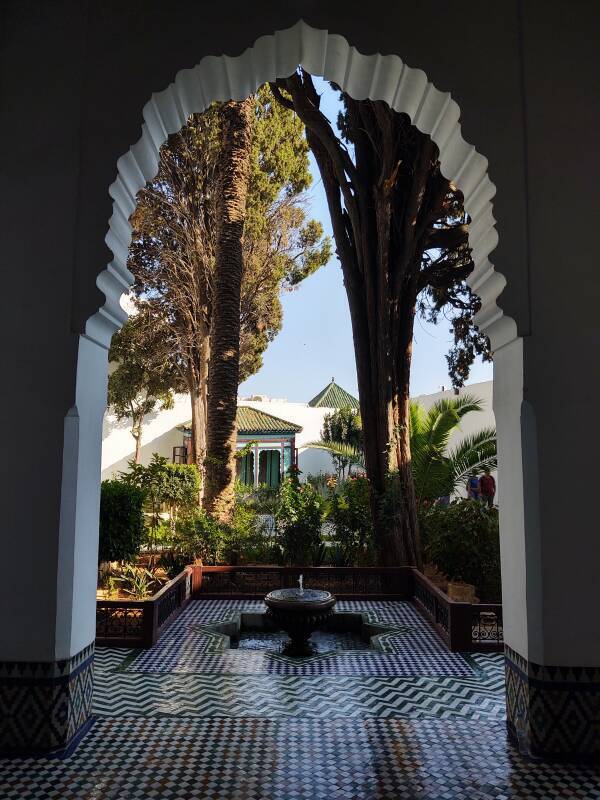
pixel 197 380
pixel 225 323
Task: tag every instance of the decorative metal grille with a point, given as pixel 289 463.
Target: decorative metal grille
pixel 119 622
pixel 487 625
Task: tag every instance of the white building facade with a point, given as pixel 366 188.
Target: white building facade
pixel 162 429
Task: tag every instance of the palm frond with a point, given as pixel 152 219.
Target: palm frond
pixel 473 454
pixel 445 415
pixel 352 454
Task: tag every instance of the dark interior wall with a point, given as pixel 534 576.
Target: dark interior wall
pixel 562 82
pixel 40 92
pixel 74 77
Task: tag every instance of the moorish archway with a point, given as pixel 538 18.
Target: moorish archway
pixel 378 77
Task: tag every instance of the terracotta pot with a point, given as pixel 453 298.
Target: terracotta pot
pixel 463 592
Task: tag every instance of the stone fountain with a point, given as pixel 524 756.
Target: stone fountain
pixel 299 612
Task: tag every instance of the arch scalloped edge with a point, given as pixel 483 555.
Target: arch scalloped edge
pixel 377 77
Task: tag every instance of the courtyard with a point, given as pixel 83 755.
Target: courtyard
pixel 209 211
pixel 191 719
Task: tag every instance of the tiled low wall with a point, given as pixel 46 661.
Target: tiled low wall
pixel 553 711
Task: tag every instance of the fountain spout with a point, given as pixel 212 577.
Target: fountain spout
pixel 300 584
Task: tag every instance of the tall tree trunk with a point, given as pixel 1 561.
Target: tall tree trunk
pixel 225 322
pixel 377 219
pixel 197 380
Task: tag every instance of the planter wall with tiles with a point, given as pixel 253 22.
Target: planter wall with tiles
pixel 141 623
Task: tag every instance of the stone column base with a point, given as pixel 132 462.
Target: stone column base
pixel 45 707
pixel 553 712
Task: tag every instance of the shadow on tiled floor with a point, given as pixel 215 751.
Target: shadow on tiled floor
pixel 183 722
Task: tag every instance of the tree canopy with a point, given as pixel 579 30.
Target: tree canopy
pixel 172 254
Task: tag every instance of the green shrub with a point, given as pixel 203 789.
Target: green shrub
pixel 138 582
pixel 263 499
pixel 121 521
pixel 198 536
pixel 180 490
pixel 349 511
pixel 239 536
pixel 463 541
pixel 175 487
pixel 299 519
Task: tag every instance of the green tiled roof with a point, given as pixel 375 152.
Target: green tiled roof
pixel 251 420
pixel 333 396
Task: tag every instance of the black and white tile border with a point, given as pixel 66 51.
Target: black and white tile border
pixel 553 711
pixel 45 707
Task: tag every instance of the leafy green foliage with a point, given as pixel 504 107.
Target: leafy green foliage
pixel 349 511
pixel 343 426
pixel 349 453
pixel 437 472
pixel 121 521
pixel 463 540
pixel 237 533
pixel 198 536
pixel 175 486
pixel 138 582
pixel 299 518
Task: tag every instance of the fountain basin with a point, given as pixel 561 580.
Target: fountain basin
pixel 299 612
pixel 342 632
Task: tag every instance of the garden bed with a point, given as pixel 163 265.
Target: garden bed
pixel 141 623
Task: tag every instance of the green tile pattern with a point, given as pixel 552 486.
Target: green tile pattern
pixel 333 396
pixel 252 420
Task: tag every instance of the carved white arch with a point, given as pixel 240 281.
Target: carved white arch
pixel 323 54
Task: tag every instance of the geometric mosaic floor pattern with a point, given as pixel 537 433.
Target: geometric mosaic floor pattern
pixel 187 720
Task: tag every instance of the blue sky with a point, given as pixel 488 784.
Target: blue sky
pixel 315 343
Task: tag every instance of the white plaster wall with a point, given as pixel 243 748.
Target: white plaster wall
pixel 80 505
pixel 508 396
pixel 160 433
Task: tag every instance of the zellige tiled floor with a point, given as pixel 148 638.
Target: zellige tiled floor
pixel 189 720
